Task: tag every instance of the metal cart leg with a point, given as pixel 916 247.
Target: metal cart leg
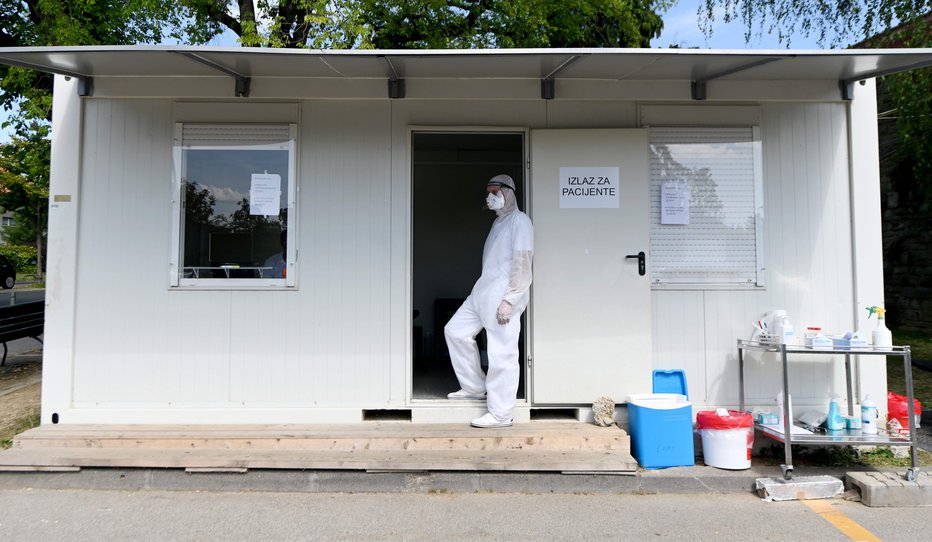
pixel 850 387
pixel 740 378
pixel 913 473
pixel 787 419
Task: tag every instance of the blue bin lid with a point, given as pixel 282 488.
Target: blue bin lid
pixel 670 381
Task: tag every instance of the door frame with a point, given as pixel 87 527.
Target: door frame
pixel 525 132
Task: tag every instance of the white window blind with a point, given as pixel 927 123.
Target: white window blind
pixel 715 240
pixel 236 135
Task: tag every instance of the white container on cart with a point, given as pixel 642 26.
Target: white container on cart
pixel 727 439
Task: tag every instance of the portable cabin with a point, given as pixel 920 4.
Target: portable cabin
pixel 676 195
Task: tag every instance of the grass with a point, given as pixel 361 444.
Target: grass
pixel 841 456
pixel 29 277
pixel 920 345
pixel 18 426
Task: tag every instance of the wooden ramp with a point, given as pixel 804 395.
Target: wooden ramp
pixel 391 446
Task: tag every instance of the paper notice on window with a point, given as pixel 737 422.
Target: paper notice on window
pixel 265 193
pixel 674 203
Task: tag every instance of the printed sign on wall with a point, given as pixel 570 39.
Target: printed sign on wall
pixel 589 188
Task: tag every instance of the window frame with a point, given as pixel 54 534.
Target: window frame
pixel 176 280
pixel 759 281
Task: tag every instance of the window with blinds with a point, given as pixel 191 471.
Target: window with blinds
pixel 235 205
pixel 706 209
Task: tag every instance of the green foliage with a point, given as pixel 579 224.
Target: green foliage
pixel 399 24
pixel 834 23
pixel 842 23
pixel 24 184
pixel 22 257
pixel 514 23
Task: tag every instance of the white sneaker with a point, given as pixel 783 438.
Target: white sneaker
pixel 465 395
pixel 490 420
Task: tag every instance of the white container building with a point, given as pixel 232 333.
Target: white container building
pixel 747 179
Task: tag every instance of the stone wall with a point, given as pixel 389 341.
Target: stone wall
pixel 907 233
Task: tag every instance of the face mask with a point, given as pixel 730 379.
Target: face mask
pixel 495 201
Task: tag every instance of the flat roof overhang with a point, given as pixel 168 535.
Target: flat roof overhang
pixel 693 67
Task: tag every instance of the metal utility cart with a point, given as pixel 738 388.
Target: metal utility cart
pixel 845 437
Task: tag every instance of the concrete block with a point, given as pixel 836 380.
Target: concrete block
pixel 801 488
pixel 892 488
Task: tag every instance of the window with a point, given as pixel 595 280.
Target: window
pixel 234 206
pixel 706 206
pixel 8 221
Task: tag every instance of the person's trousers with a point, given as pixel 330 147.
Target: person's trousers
pixel 501 383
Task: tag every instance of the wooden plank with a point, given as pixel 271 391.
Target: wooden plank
pixel 375 443
pixel 331 430
pixel 459 460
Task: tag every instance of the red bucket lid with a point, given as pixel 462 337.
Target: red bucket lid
pixel 709 419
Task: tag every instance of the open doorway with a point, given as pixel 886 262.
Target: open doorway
pixel 450 224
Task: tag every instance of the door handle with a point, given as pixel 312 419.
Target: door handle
pixel 642 262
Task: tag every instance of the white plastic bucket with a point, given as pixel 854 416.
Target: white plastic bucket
pixel 727 440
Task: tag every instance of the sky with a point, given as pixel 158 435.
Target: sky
pixel 681 28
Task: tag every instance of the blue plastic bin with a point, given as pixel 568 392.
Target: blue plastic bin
pixel 661 430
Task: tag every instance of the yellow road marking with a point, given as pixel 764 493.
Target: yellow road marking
pixel 843 523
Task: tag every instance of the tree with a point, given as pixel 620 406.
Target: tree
pixel 835 23
pixel 24 178
pixel 870 22
pixel 24 183
pixel 417 24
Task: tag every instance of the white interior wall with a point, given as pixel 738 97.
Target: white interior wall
pixel 342 338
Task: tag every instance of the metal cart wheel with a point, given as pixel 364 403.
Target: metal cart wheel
pixel 787 472
pixel 912 474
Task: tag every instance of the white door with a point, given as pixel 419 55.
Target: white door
pixel 591 323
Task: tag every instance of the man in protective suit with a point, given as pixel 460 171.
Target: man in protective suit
pixel 496 303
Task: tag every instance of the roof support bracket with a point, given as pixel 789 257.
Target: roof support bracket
pixel 396 85
pixel 86 86
pixel 241 90
pixel 699 89
pixel 847 85
pixel 847 89
pixel 548 90
pixel 85 82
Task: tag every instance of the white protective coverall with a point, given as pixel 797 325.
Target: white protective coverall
pixel 505 279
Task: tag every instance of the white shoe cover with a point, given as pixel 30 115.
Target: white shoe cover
pixel 489 420
pixel 466 395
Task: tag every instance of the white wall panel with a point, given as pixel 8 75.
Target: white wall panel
pixel 679 337
pixel 807 240
pixel 346 251
pixel 341 338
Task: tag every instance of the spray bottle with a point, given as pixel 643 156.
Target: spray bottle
pixel 881 336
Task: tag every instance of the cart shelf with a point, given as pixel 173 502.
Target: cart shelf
pixel 846 437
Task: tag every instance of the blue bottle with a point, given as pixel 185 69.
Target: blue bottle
pixel 834 421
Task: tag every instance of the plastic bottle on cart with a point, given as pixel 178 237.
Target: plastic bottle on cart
pixel 784 330
pixel 834 421
pixel 881 336
pixel 868 416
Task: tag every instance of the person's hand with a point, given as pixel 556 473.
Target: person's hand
pixel 503 314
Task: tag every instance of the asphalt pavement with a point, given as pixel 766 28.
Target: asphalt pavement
pixel 64 515
pixel 21 294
